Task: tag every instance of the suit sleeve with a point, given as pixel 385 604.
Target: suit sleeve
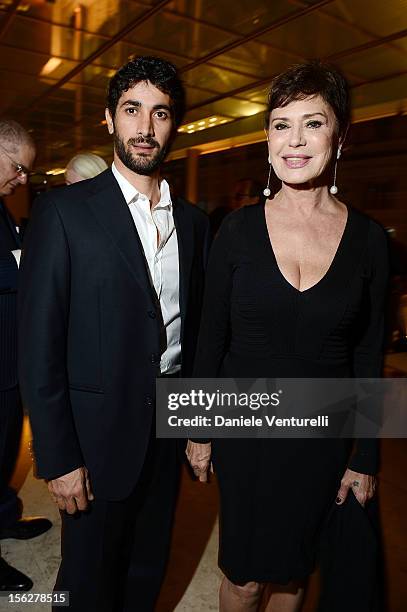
pixel 8 273
pixel 368 352
pixel 44 296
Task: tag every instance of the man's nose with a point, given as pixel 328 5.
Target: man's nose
pixel 22 178
pixel 145 126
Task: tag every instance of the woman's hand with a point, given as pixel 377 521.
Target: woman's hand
pixel 363 487
pixel 199 456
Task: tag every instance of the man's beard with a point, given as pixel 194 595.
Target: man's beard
pixel 141 164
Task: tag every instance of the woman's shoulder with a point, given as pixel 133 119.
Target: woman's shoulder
pixel 376 233
pixel 236 221
pixel 373 240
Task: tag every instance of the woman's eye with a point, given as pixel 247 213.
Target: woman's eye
pixel 280 126
pixel 314 124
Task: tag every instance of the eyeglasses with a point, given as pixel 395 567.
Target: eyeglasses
pixel 20 169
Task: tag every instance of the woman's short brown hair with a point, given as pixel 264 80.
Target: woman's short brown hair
pixel 312 78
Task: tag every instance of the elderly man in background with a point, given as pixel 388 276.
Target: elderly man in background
pixel 17 153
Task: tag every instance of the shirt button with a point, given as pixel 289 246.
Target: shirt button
pixel 149 401
pixel 152 314
pixel 155 358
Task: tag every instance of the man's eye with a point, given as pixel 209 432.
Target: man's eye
pixel 280 126
pixel 314 124
pixel 161 114
pixel 131 110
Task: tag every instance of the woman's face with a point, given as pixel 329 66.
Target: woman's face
pixel 302 137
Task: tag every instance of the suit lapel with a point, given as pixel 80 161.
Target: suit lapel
pixel 111 210
pixel 185 236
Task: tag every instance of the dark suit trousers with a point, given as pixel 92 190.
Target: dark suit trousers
pixel 114 555
pixel 11 419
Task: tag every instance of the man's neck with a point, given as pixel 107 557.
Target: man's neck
pixel 149 185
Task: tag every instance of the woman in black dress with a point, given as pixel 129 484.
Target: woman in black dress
pixel 295 288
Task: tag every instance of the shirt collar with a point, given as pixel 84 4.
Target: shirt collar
pixel 131 194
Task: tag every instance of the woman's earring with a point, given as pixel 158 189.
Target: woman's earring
pixel 267 190
pixel 334 189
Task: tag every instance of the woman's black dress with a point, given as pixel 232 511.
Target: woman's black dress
pixel 276 493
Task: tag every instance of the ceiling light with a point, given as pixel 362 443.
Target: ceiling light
pixel 55 171
pixel 51 65
pixel 204 124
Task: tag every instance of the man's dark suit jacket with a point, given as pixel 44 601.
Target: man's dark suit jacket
pixel 89 324
pixel 9 241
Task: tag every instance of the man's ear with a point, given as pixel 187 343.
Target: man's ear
pixel 109 121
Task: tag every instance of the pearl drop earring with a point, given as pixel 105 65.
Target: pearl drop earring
pixel 267 190
pixel 334 189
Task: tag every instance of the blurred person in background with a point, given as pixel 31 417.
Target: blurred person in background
pixel 246 191
pixel 17 154
pixel 84 166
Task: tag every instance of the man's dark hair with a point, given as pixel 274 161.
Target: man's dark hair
pixel 159 72
pixel 312 78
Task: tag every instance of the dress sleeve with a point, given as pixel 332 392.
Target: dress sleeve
pixel 368 351
pixel 215 322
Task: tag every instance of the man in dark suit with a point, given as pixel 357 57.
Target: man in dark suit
pixel 110 299
pixel 17 153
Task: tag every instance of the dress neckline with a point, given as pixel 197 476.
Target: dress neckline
pixel 329 270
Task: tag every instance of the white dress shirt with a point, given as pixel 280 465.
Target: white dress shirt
pixel 162 260
pixel 17 256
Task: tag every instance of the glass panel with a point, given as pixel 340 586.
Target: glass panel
pixel 215 79
pixel 107 16
pixel 315 36
pixel 170 33
pixel 380 18
pixel 258 95
pixel 258 59
pixel 229 107
pixel 374 63
pixel 243 16
pixel 123 51
pixel 380 92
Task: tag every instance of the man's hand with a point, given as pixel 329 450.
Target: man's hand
pixel 199 456
pixel 363 487
pixel 72 492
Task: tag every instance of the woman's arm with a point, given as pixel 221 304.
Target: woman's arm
pixel 368 352
pixel 214 328
pixel 213 334
pixel 367 363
